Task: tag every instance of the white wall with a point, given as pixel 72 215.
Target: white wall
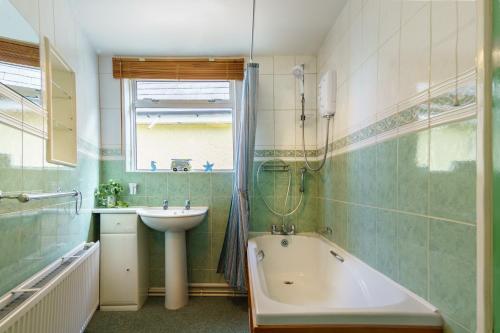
pixel 389 52
pixel 56 20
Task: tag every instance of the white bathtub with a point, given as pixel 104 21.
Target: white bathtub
pixel 325 290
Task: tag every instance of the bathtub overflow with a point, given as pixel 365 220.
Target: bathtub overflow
pixel 284 242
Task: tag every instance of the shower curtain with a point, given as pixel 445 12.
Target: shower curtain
pixel 233 254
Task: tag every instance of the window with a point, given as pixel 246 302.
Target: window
pixel 181 120
pixel 25 80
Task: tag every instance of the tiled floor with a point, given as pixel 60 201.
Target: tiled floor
pixel 202 314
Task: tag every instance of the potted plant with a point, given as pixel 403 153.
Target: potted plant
pixel 109 195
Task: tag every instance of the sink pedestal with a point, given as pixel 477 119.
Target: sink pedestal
pixel 176 285
pixel 174 222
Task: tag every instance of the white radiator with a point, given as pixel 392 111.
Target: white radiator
pixel 60 299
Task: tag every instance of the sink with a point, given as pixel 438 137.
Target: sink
pixel 172 219
pixel 174 222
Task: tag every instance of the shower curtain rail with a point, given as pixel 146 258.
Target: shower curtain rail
pixel 25 197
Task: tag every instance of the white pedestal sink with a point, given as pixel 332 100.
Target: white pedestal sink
pixel 174 222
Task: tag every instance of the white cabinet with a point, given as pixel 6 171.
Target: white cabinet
pixel 124 262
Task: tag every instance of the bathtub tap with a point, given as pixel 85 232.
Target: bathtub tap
pixel 285 229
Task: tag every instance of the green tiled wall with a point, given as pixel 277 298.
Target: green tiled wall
pixel 205 241
pixel 406 206
pixel 214 190
pixel 34 234
pixel 272 188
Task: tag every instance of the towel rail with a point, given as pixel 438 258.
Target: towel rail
pixel 26 197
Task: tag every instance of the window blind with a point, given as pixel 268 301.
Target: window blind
pixel 21 53
pixel 178 69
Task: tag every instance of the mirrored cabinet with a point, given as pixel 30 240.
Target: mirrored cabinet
pixel 60 98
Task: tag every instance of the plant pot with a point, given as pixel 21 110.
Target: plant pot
pixel 110 201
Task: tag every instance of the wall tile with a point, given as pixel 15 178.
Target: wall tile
pixel 356 42
pixel 109 92
pixel 362 233
pixel 266 65
pixel 413 172
pixel 222 183
pixel 387 243
pixel 467 36
pixel 336 218
pixel 200 185
pixel 410 9
pixel 388 73
pixel 262 218
pixel 284 92
pixel 220 213
pixel 178 188
pixel 413 242
pixel 367 176
pixel 264 135
pixel 387 170
pixel 390 18
pixel 266 92
pixel 283 64
pixel 156 185
pixel 111 127
pixel 452 270
pixel 370 13
pixel 453 171
pixel 309 63
pixel 415 53
pixel 197 245
pixel 284 134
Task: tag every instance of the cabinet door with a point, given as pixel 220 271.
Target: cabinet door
pixel 119 269
pixel 119 223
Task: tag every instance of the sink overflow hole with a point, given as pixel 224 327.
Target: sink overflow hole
pixel 288 282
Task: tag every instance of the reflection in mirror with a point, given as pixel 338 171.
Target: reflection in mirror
pixel 19 54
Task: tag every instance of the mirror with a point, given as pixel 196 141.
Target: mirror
pixel 19 54
pixel 60 89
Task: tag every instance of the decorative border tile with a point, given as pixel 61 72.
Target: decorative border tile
pixel 286 153
pixel 456 101
pixel 108 152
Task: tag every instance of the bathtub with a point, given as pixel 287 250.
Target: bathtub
pixel 302 281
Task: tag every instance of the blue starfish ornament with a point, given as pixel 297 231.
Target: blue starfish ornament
pixel 208 166
pixel 153 165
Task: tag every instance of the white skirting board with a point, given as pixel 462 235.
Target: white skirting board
pixel 203 289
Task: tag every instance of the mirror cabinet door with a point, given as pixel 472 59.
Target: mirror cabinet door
pixel 60 96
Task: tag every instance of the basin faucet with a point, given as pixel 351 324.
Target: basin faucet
pixel 165 204
pixel 188 205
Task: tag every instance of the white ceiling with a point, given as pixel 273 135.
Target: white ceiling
pixel 205 27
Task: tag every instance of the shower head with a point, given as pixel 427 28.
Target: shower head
pixel 298 71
